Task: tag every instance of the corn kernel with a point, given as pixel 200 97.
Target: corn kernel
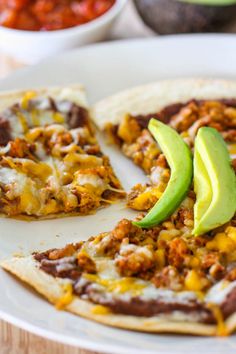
pixel 168 235
pixel 160 258
pixel 194 262
pixel 193 281
pixel 128 129
pixel 222 243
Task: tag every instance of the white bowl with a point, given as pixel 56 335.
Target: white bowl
pixel 32 46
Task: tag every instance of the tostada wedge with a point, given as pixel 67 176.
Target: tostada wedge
pixel 51 164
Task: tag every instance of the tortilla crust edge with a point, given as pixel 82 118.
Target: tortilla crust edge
pixel 73 92
pixel 26 269
pixel 60 215
pixel 154 97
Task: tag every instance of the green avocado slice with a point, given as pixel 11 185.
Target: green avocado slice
pixel 179 158
pixel 202 186
pixel 218 182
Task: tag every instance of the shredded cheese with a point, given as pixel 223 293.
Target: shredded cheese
pixel 66 298
pixel 23 122
pixel 119 286
pixel 26 98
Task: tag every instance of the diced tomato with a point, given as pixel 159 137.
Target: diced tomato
pixel 49 15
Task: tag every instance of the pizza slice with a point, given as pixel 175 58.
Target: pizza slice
pixel 50 161
pixel 186 105
pixel 156 280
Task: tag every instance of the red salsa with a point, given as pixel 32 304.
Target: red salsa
pixel 50 15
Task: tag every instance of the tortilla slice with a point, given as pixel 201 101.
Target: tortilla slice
pixel 184 104
pixel 51 288
pixel 51 162
pixel 153 97
pixel 118 278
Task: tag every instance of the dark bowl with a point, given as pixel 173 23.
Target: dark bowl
pixel 174 16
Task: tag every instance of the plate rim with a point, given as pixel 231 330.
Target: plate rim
pixel 110 44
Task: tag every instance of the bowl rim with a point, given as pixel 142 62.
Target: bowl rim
pixel 86 27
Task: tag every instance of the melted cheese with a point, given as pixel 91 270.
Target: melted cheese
pixel 5 149
pixel 58 117
pixel 100 310
pixel 26 98
pixel 107 279
pixel 155 175
pixel 83 160
pixel 9 176
pixel 92 180
pixel 29 200
pixel 118 286
pixel 66 298
pixel 21 187
pixel 72 95
pixel 35 117
pixel 51 183
pixel 217 313
pixel 40 114
pixel 153 193
pixel 126 248
pixel 23 122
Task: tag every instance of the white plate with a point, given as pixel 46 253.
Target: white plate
pixel 104 69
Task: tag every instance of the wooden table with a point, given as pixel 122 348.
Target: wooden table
pixel 12 339
pixel 16 341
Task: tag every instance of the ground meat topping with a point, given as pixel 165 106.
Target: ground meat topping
pixel 183 115
pixel 33 111
pixel 68 262
pixel 164 258
pixel 137 143
pixel 134 260
pixel 77 116
pixel 5 134
pixel 53 169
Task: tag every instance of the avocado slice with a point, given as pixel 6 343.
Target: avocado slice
pixel 202 186
pixel 179 158
pixel 216 196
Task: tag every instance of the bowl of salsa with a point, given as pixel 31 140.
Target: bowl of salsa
pixel 33 29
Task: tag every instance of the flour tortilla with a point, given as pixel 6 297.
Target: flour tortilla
pixel 74 93
pixel 153 97
pixel 27 270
